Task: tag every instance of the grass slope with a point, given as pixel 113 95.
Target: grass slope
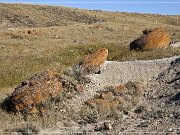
pixel 37 37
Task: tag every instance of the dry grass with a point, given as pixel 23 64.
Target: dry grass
pixel 34 38
pixel 16 68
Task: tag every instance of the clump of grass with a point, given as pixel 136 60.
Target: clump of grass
pixel 88 115
pixel 69 84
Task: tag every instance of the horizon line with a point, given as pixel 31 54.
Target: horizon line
pixel 137 2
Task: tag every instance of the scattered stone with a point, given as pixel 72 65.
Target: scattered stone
pixel 144 123
pixel 79 88
pixel 106 95
pixel 2 47
pixel 124 116
pixel 121 100
pixel 120 90
pixel 151 39
pixel 170 129
pixel 103 104
pixel 63 110
pixel 108 126
pixel 139 109
pixel 175 44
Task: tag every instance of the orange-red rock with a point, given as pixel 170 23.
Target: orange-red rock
pixel 79 88
pixel 106 95
pixel 139 88
pixel 120 99
pixel 101 103
pixel 120 90
pixel 106 101
pixel 91 62
pixel 35 91
pixel 151 39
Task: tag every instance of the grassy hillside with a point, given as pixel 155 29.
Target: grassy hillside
pixel 35 37
pixel 40 16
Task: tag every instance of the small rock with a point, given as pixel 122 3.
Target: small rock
pixel 124 117
pixel 62 110
pixel 2 46
pixel 106 95
pixel 79 88
pixel 119 90
pixel 171 115
pixel 107 126
pixel 170 129
pixel 162 104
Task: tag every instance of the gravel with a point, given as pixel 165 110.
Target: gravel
pixel 114 73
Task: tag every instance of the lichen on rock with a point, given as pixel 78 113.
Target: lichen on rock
pixel 90 63
pixel 34 91
pixel 151 39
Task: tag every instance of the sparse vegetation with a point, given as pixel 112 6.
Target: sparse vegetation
pixel 108 104
pixel 17 68
pixel 34 38
pixel 26 49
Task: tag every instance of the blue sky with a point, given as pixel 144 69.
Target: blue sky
pixel 171 7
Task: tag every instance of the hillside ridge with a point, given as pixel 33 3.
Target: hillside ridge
pixel 29 15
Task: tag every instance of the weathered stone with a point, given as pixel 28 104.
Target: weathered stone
pixel 106 95
pixel 107 126
pixel 103 104
pixel 139 87
pixel 79 88
pixel 91 63
pixel 120 90
pixel 121 100
pixel 151 39
pixel 35 91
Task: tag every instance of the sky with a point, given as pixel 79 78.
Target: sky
pixel 166 7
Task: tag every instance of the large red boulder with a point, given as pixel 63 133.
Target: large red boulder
pixel 35 91
pixel 151 39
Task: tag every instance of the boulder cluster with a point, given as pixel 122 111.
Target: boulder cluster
pixel 42 87
pixel 32 93
pixel 119 96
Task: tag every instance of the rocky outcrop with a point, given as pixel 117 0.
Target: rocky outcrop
pixel 151 39
pixel 172 74
pixel 35 91
pixel 122 95
pixel 91 62
pixel 103 104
